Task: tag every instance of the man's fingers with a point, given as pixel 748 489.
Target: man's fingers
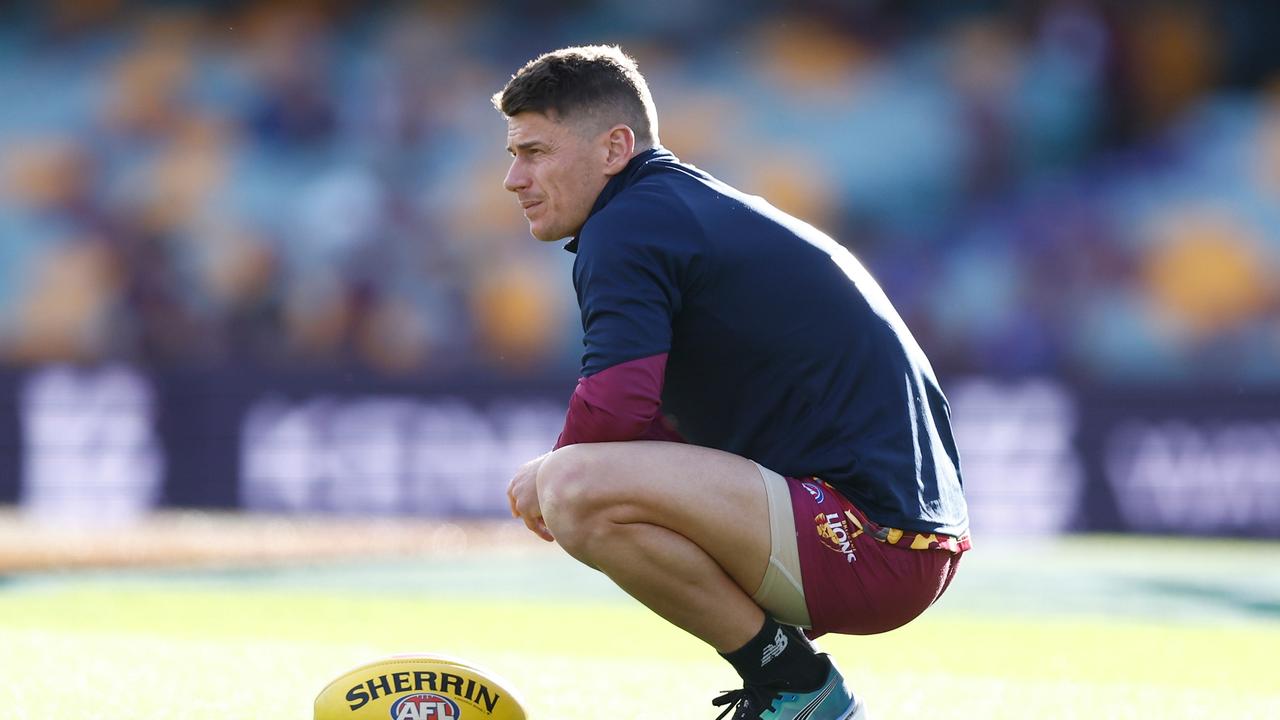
pixel 543 532
pixel 511 500
pixel 538 527
pixel 522 487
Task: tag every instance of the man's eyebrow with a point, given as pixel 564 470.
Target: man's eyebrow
pixel 526 145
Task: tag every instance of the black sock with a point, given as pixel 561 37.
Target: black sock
pixel 780 656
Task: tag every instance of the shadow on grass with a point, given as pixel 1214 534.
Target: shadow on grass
pixel 1223 597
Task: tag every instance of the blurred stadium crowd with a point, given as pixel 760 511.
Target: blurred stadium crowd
pixel 1077 187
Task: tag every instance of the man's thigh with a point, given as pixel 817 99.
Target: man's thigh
pixel 715 499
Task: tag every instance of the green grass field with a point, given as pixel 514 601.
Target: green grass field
pixel 1087 628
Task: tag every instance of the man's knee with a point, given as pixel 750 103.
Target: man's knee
pixel 573 493
pixel 580 499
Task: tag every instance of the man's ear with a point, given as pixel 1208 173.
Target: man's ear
pixel 621 145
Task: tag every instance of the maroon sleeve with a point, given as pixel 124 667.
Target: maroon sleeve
pixel 622 402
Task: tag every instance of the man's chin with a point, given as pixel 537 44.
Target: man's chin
pixel 545 235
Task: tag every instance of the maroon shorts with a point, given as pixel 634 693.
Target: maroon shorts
pixel 860 578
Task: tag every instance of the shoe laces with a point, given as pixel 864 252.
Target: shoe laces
pixel 749 702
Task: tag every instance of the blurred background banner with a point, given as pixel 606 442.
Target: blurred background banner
pixel 109 444
pixel 258 255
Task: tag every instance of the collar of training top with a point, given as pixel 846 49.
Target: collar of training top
pixel 622 181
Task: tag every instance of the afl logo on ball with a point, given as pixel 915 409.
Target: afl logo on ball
pixel 815 491
pixel 425 706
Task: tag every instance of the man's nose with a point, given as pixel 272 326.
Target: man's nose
pixel 517 179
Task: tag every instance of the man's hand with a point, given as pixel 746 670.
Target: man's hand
pixel 522 492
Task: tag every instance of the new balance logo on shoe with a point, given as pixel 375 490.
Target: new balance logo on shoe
pixel 774 649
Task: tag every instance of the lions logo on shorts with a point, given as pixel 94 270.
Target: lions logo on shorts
pixel 834 533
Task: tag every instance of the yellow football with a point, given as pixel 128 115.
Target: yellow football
pixel 417 687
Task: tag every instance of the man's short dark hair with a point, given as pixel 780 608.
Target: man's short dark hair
pixel 593 81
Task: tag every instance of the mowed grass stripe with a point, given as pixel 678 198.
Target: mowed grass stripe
pixel 124 675
pixel 223 654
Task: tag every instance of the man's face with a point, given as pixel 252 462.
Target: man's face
pixel 557 172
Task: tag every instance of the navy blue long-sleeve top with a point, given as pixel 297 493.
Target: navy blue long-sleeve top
pixel 758 335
